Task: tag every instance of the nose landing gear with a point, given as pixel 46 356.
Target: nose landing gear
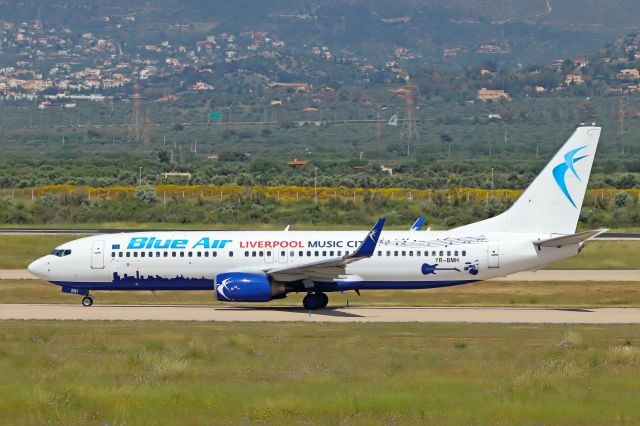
pixel 87 300
pixel 314 301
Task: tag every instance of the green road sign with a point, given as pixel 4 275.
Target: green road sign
pixel 215 115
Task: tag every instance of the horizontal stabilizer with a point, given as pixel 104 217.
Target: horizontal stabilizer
pixel 567 240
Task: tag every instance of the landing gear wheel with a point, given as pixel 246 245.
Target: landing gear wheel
pixel 324 298
pixel 313 301
pixel 87 301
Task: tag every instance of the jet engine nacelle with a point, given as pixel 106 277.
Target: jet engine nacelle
pixel 245 287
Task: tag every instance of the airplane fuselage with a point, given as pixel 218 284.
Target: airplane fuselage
pixel 192 260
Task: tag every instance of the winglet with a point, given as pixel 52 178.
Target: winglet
pixel 417 225
pixel 368 245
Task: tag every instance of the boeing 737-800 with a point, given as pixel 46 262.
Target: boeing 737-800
pixel 259 266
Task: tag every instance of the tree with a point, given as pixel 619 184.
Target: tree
pixel 621 200
pixel 446 137
pixel 232 156
pixel 493 208
pixel 147 195
pixel 163 156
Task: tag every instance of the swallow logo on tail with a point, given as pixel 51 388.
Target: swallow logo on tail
pixel 560 171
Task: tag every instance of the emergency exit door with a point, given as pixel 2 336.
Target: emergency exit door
pixel 282 256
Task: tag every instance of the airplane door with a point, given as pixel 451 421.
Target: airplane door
pixel 493 253
pixel 282 256
pixel 97 255
pixel 268 256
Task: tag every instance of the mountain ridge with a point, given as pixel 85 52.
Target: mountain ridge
pixel 446 33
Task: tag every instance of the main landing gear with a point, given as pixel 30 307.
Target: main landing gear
pixel 314 301
pixel 87 301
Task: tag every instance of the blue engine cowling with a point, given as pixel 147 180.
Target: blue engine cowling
pixel 244 287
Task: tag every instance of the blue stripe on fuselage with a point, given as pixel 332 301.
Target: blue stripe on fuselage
pixel 181 283
pixel 147 284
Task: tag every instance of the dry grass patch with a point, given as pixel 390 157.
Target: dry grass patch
pixel 291 373
pixel 623 355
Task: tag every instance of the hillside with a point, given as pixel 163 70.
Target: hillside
pixel 449 33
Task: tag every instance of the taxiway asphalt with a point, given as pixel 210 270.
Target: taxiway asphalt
pixel 288 314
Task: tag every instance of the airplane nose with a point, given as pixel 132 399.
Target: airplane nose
pixel 38 267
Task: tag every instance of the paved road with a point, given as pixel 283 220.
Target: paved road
pixel 16 274
pixel 574 275
pixel 544 275
pixel 275 313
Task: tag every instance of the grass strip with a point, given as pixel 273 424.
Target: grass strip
pixel 279 373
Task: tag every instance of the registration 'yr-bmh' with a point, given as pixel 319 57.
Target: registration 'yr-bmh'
pixel 252 266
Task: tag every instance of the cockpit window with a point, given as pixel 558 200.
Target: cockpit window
pixel 61 253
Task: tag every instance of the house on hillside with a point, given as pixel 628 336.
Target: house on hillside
pixel 201 85
pixel 492 95
pixel 573 79
pixel 297 163
pixel 633 73
pixel 386 169
pixel 175 174
pixel 580 62
pixel 296 87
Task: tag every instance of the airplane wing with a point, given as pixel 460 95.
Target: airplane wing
pixel 567 240
pixel 417 225
pixel 328 268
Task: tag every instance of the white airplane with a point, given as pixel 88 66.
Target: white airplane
pixel 259 266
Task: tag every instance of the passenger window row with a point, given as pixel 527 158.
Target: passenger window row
pixel 215 254
pixel 300 253
pixel 166 254
pixel 292 253
pixel 419 253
